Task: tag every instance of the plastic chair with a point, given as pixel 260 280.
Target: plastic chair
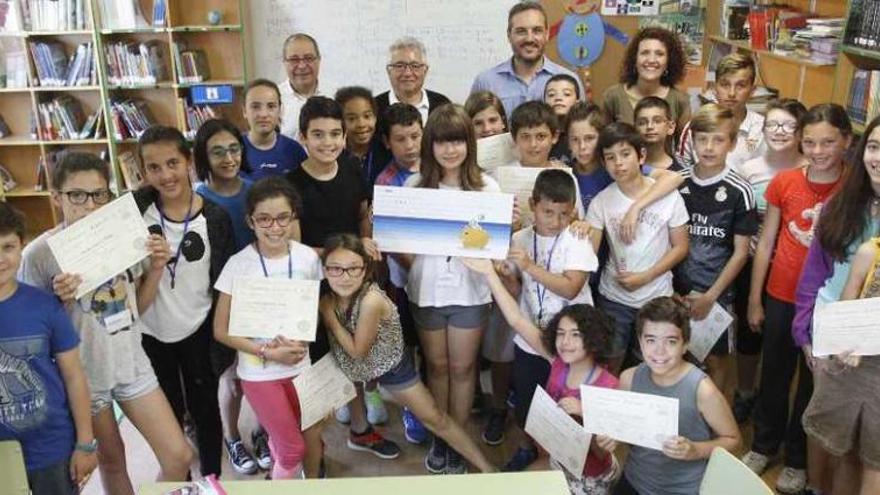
pixel 727 475
pixel 12 470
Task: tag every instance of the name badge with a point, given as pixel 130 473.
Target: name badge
pixel 118 321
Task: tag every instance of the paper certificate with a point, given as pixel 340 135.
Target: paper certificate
pixel 705 333
pixel 847 326
pixel 442 222
pixel 266 307
pixel 322 388
pixel 103 244
pixel 520 181
pixel 637 419
pixel 560 435
pixel 495 151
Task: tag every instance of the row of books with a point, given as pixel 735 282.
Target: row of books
pixel 816 39
pixel 194 116
pixel 43 15
pixel 55 68
pixel 191 64
pixel 863 28
pixel 130 118
pixel 136 63
pixel 62 117
pixel 864 94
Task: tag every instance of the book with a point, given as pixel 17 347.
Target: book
pixel 191 64
pixel 131 63
pixel 122 14
pixel 131 173
pixel 60 118
pixel 160 13
pixel 130 118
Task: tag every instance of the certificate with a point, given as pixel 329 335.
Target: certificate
pixel 442 222
pixel 637 419
pixel 103 244
pixel 705 332
pixel 322 388
pixel 560 435
pixel 520 181
pixel 266 307
pixel 847 326
pixel 495 151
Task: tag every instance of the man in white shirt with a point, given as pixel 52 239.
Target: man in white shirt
pixel 407 68
pixel 302 61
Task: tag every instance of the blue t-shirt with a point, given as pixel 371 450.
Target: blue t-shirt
pixel 34 327
pixel 234 206
pixel 285 156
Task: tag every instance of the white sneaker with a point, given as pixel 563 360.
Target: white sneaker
pixel 376 412
pixel 756 462
pixel 343 415
pixel 791 480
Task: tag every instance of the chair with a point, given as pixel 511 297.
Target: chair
pixel 12 470
pixel 727 475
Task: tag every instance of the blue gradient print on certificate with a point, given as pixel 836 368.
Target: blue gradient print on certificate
pixel 442 222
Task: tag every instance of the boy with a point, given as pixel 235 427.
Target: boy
pixel 734 84
pixel 653 119
pixel 704 418
pixel 639 271
pixel 562 91
pixel 535 129
pixel 43 390
pixel 548 267
pixel 723 217
pixel 402 134
pixel 268 151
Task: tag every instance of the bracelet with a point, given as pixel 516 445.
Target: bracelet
pixel 88 448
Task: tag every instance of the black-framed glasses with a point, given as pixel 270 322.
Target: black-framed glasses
pixel 308 59
pixel 337 271
pixel 266 221
pixel 219 152
pixel 774 126
pixel 79 197
pixel 402 66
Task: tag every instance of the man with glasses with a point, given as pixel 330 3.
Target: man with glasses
pixel 302 62
pixel 407 69
pixel 523 77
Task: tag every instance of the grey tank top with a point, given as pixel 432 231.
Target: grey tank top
pixel 650 471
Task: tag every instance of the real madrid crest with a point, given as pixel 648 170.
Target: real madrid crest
pixel 721 194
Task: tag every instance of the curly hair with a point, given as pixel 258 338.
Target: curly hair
pixel 595 328
pixel 675 56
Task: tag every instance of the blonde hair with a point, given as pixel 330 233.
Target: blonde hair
pixel 733 62
pixel 712 117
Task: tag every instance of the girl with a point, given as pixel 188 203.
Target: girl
pixel 268 151
pixel 487 114
pixel 561 92
pixel 794 201
pixel 266 366
pixel 851 217
pixel 219 157
pixel 783 152
pixel 177 323
pixel 576 342
pixel 367 340
pixel 653 66
pixel 450 305
pixel 360 114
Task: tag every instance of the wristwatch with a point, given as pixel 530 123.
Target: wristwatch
pixel 88 448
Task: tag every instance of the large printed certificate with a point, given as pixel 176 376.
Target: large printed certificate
pixel 637 419
pixel 561 436
pixel 847 326
pixel 103 244
pixel 441 222
pixel 320 389
pixel 266 307
pixel 495 151
pixel 520 181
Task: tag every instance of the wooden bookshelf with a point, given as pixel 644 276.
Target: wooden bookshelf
pixel 852 58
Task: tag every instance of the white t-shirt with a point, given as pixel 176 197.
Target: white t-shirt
pixel 652 242
pixel 749 143
pixel 443 281
pixel 177 312
pixel 556 254
pixel 305 265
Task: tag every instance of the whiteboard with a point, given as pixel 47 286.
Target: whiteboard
pixel 462 37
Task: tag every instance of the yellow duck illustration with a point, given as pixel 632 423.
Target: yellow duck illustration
pixel 473 236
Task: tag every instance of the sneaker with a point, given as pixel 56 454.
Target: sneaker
pixel 376 412
pixel 343 415
pixel 239 457
pixel 493 434
pixel 742 407
pixel 413 429
pixel 435 461
pixel 370 441
pixel 791 480
pixel 455 463
pixel 521 459
pixel 260 442
pixel 511 399
pixel 756 462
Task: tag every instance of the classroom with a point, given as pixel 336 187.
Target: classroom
pixel 587 247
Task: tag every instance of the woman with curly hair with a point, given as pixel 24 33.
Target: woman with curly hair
pixel 653 65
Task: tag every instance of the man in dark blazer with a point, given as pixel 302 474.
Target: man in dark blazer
pixel 407 69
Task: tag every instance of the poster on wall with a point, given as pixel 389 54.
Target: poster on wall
pixel 688 25
pixel 630 7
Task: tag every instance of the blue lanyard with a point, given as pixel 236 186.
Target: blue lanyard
pixel 263 261
pixel 541 290
pixel 172 266
pixel 586 380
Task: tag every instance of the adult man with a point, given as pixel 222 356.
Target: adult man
pixel 302 61
pixel 522 78
pixel 407 69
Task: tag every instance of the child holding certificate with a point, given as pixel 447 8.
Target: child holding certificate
pixel 704 417
pixel 367 341
pixel 487 114
pixel 266 366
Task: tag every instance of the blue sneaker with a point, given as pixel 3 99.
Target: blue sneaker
pixel 521 459
pixel 413 429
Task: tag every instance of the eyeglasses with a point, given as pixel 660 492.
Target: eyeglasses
pixel 337 271
pixel 655 121
pixel 402 66
pixel 774 126
pixel 308 60
pixel 220 152
pixel 99 197
pixel 266 221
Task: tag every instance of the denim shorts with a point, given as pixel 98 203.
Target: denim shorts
pixel 143 384
pixel 442 317
pixel 402 376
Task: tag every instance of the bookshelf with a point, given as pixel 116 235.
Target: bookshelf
pixel 854 58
